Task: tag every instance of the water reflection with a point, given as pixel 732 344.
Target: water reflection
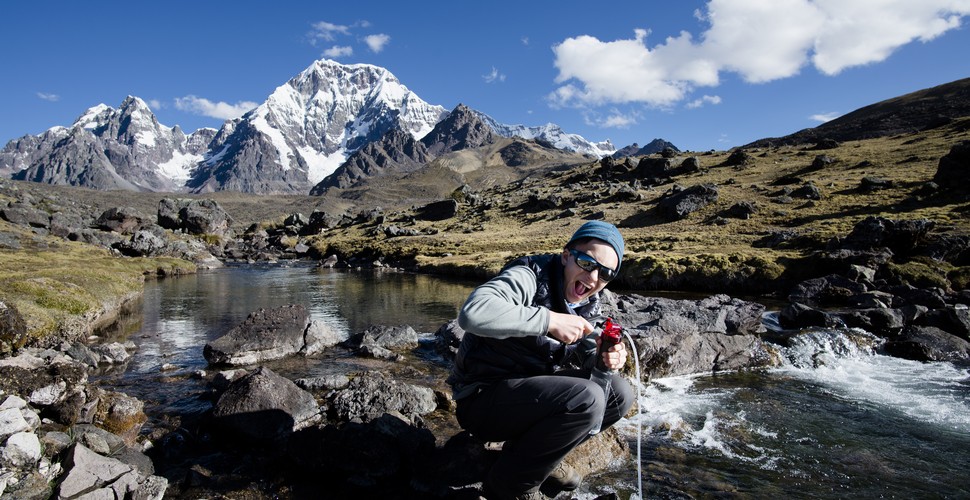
pixel 178 316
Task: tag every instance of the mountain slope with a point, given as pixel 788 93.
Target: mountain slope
pixel 908 113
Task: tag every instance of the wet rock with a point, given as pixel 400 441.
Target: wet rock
pixel 269 334
pixel 928 343
pixel 388 337
pixel 828 290
pixel 263 407
pixel 370 395
pixel 883 322
pixel 796 315
pixel 120 414
pixel 678 337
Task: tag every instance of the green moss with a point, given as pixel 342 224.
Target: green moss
pixel 921 273
pixel 959 278
pixel 61 286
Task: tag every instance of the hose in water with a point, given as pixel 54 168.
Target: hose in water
pixel 639 384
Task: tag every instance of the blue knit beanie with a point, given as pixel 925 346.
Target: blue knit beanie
pixel 602 231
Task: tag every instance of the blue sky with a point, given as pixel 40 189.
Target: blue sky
pixel 701 74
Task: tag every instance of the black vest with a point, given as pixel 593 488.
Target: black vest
pixel 483 359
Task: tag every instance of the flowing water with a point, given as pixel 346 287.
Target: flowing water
pixel 836 421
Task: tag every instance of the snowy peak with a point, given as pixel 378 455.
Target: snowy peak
pixel 310 125
pixel 553 134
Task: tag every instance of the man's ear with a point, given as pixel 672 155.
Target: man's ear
pixel 565 256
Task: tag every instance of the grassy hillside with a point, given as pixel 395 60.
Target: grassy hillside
pixel 705 251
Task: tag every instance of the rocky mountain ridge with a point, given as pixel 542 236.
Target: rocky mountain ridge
pixel 305 130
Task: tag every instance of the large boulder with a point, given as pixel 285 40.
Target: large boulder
pixel 123 220
pixel 269 334
pixel 681 337
pixel 951 173
pixel 264 406
pixel 194 216
pixel 683 203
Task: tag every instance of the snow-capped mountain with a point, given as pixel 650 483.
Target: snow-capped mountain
pixel 107 148
pixel 310 125
pixel 553 134
pixel 304 131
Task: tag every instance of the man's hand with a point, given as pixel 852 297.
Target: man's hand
pixel 615 357
pixel 568 328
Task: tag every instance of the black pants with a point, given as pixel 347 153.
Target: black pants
pixel 541 419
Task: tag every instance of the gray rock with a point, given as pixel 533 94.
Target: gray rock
pixel 123 220
pixel 264 335
pixel 329 382
pixel 13 401
pixel 264 406
pixel 204 217
pixel 928 343
pixel 388 337
pixel 11 422
pixel 86 471
pixel 681 204
pixel 680 337
pixel 372 394
pixel 54 442
pixel 320 336
pixel 951 172
pixel 21 450
pixel 112 353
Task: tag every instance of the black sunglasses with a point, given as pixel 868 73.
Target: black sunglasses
pixel 589 264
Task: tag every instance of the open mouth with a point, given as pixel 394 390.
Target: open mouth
pixel 580 289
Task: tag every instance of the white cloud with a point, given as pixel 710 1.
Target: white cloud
pixel 618 120
pixel 825 117
pixel 155 104
pixel 377 42
pixel 338 51
pixel 707 99
pixel 328 32
pixel 494 76
pixel 525 40
pixel 220 110
pixel 48 97
pixel 759 40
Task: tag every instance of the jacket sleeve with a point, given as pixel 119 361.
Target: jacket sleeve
pixel 501 307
